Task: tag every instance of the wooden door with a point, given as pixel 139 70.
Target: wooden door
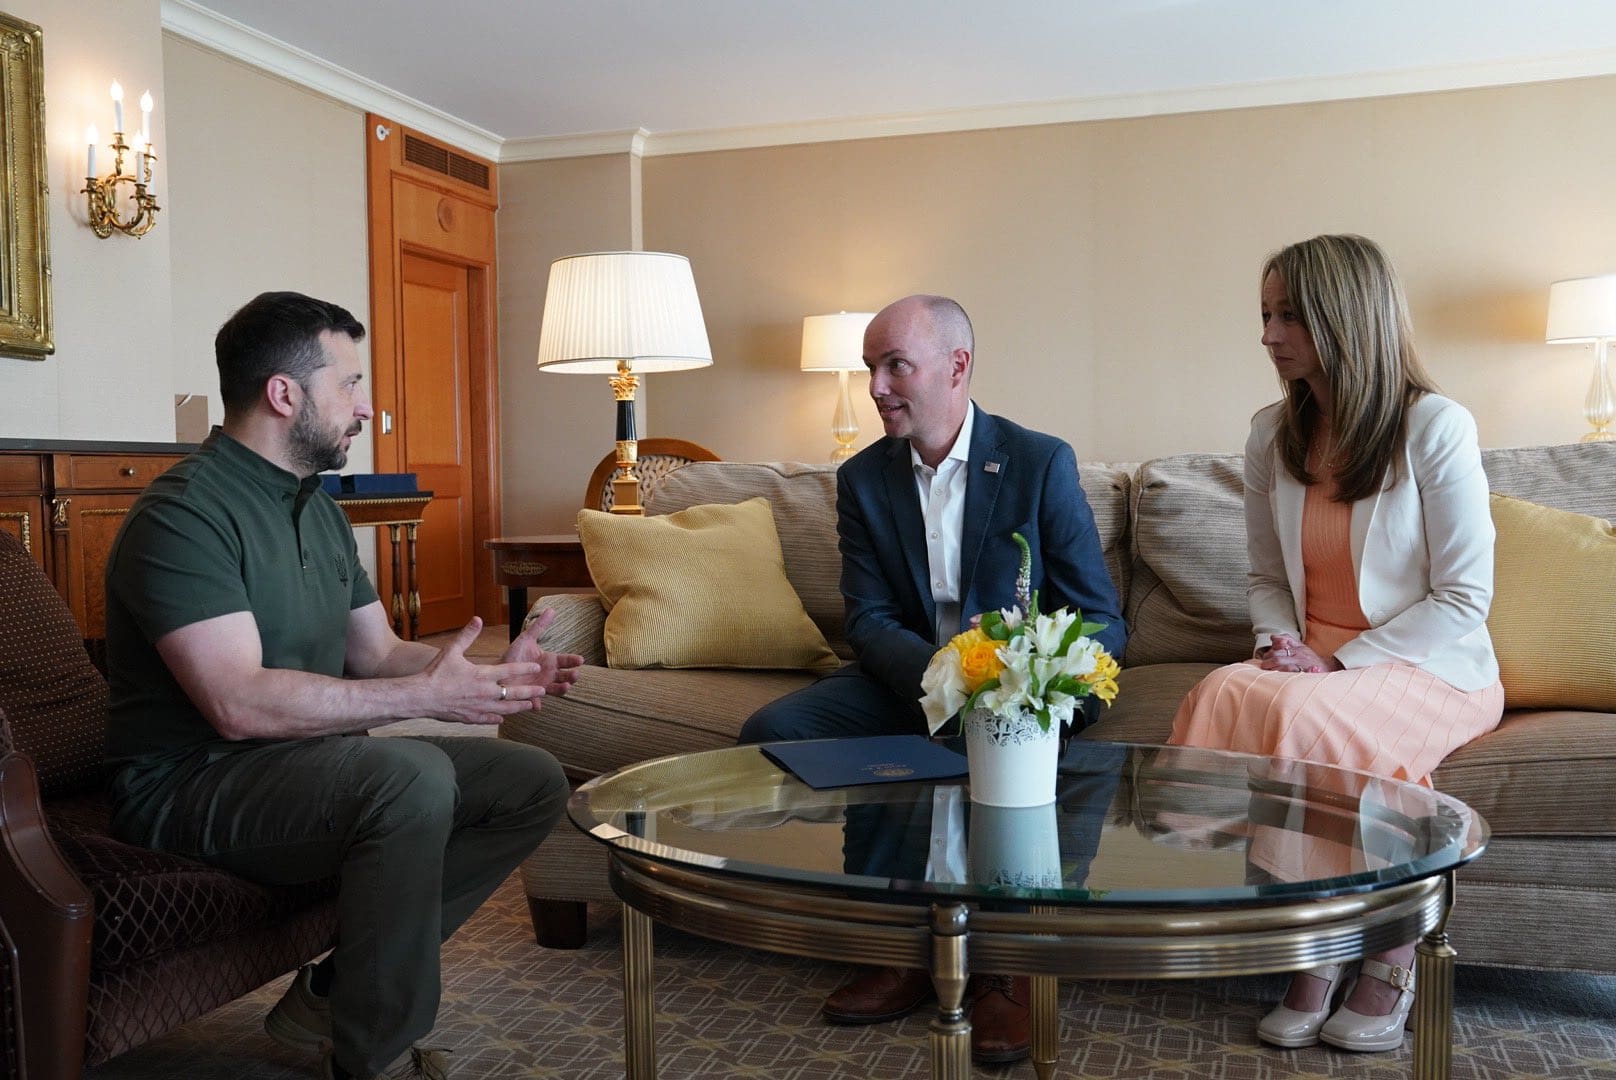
pixel 435 432
pixel 434 358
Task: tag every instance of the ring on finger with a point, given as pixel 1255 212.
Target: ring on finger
pixel 504 691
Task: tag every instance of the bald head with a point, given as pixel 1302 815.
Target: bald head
pixel 947 323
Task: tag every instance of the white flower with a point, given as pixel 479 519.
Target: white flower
pixel 1011 616
pixel 944 686
pixel 1048 630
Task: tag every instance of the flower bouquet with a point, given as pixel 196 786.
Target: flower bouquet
pixel 1016 679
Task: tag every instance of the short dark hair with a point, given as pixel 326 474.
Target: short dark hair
pixel 275 333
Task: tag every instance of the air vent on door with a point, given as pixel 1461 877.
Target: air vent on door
pixel 440 160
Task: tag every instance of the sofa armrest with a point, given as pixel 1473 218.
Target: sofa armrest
pixel 580 625
pixel 46 921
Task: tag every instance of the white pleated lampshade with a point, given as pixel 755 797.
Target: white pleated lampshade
pixel 1582 309
pixel 834 342
pixel 609 306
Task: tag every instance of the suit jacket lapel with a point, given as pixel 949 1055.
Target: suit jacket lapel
pixel 981 495
pixel 908 525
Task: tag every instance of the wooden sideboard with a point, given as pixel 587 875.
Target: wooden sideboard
pixel 65 500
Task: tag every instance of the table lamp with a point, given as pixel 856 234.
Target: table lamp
pixel 1584 310
pixel 836 343
pixel 622 314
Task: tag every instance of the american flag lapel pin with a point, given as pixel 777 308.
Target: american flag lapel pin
pixel 990 466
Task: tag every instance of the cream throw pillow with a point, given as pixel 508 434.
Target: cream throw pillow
pixel 1554 589
pixel 704 587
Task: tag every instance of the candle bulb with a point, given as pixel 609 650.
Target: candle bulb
pixel 138 152
pixel 92 137
pixel 145 117
pixel 117 106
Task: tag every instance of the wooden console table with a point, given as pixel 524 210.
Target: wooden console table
pixel 395 509
pixel 522 561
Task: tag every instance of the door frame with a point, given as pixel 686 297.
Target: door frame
pixel 385 165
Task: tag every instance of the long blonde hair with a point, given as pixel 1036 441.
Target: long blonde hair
pixel 1349 299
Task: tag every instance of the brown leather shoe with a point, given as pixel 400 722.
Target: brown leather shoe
pixel 1001 1023
pixel 877 995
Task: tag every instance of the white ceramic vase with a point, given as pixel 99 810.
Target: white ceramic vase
pixel 1011 760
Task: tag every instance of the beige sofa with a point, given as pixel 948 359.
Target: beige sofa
pixel 1174 539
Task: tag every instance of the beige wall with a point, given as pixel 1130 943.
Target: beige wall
pixel 109 377
pixel 268 193
pixel 1111 267
pixel 553 428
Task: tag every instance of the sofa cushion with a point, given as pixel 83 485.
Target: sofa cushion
pixel 1540 772
pixel 1554 580
pixel 53 697
pixel 702 587
pixel 1576 477
pixel 615 718
pixel 1187 598
pixel 803 498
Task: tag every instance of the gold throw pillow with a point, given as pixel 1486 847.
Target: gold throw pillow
pixel 1554 583
pixel 703 587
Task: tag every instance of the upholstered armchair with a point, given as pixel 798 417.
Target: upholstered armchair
pixel 104 946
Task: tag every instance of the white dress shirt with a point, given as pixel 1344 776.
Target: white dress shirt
pixel 942 506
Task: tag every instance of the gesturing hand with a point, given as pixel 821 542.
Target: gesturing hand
pixel 458 690
pixel 557 671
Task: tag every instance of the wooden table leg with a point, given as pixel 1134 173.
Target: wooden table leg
pixel 397 606
pixel 951 1030
pixel 639 1015
pixel 516 596
pixel 1433 999
pixel 414 587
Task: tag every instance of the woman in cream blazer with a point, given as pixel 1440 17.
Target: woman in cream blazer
pixel 1371 547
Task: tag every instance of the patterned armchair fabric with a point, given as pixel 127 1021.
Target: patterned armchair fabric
pixel 105 945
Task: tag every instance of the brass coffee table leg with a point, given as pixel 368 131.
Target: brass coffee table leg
pixel 639 1016
pixel 951 1030
pixel 1433 998
pixel 1045 1025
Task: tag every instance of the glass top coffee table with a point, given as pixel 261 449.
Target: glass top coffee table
pixel 1153 862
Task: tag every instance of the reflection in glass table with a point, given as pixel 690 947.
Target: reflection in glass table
pixel 1152 862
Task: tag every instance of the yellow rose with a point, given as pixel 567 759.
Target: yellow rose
pixel 979 658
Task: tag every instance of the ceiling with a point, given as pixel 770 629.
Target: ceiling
pixel 535 69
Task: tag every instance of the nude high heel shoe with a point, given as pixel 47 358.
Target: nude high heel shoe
pixel 1292 1028
pixel 1354 1031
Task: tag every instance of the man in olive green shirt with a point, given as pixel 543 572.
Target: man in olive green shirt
pixel 247 652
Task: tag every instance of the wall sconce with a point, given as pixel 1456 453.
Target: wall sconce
pixel 1584 310
pixel 836 343
pixel 102 192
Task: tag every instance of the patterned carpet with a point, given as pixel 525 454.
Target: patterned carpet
pixel 512 1009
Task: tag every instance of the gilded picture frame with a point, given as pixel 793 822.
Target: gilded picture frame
pixel 25 265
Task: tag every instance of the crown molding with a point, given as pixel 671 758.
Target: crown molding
pixel 550 147
pixel 226 36
pixel 1125 106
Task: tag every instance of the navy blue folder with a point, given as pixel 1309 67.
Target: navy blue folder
pixel 874 759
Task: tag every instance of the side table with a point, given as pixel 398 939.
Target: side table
pixel 522 561
pixel 403 509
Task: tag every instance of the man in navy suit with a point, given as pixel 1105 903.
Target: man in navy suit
pixel 925 517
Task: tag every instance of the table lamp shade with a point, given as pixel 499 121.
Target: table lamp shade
pixel 834 342
pixel 608 307
pixel 1582 309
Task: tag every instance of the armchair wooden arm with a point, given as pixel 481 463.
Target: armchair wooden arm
pixel 46 920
